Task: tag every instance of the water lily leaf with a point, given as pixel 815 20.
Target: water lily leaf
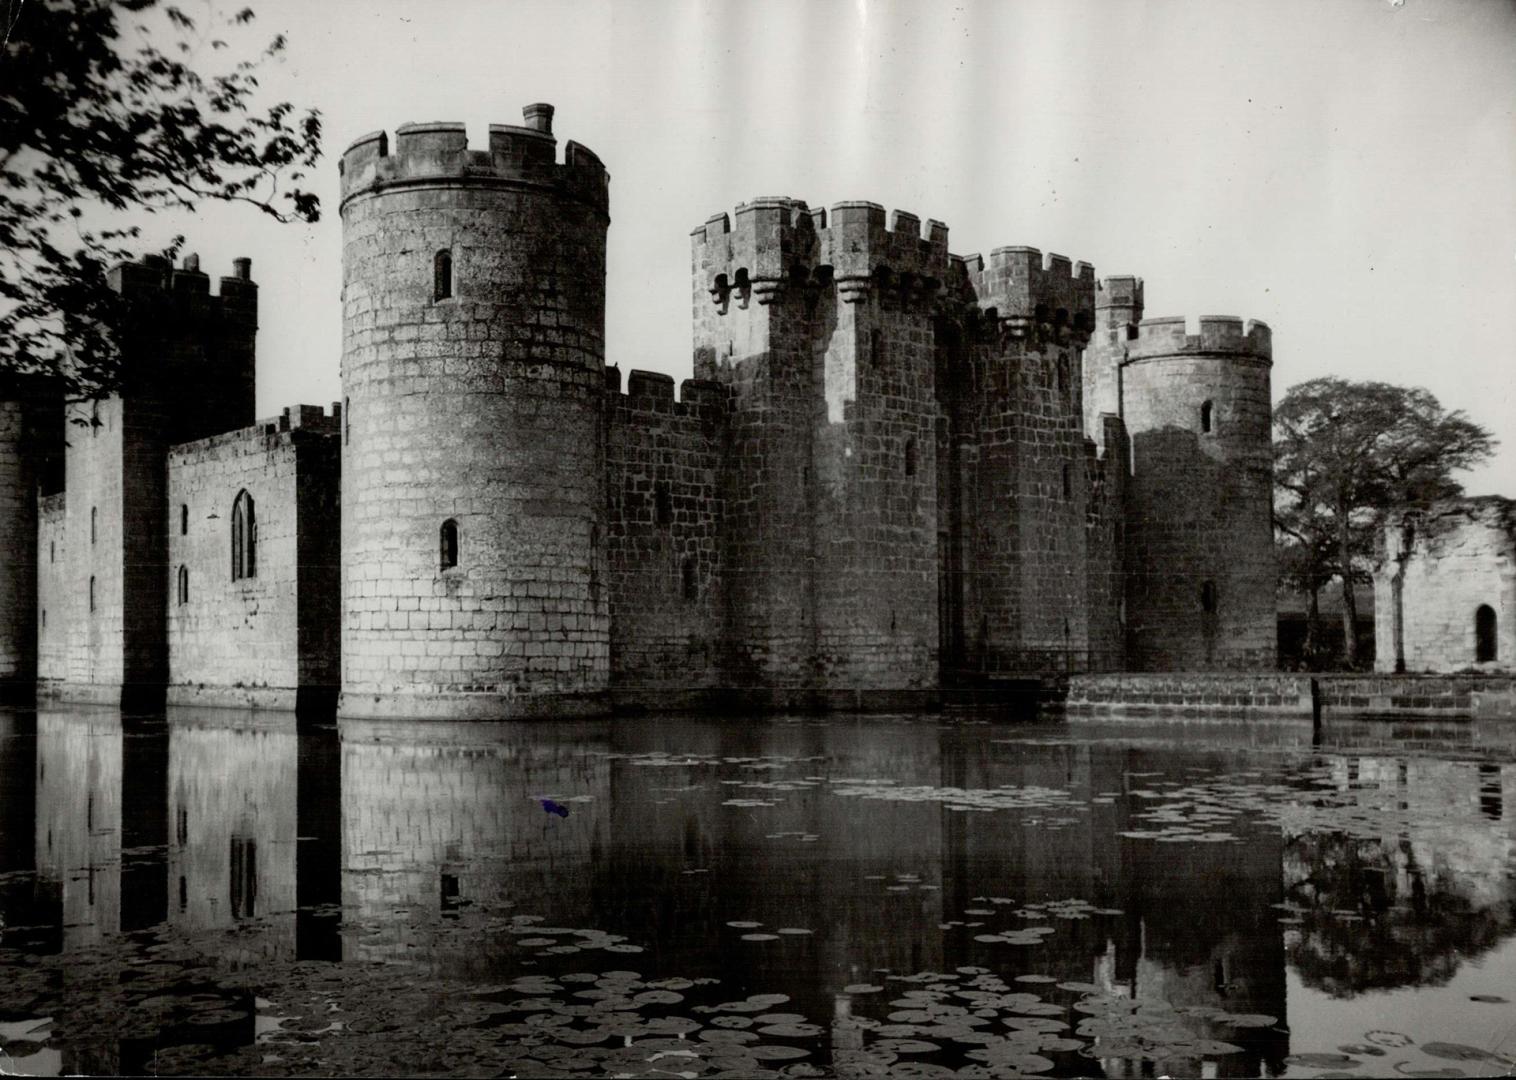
pixel 1461 1052
pixel 1393 1039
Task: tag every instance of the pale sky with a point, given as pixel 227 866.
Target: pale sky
pixel 1345 171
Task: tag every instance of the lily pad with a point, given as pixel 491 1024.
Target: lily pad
pixel 1461 1052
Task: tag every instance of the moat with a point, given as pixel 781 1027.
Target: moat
pixel 215 892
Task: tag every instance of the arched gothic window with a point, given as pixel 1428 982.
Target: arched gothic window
pixel 448 544
pixel 442 275
pixel 1485 644
pixel 244 537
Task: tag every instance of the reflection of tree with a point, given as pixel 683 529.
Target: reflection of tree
pixel 1414 927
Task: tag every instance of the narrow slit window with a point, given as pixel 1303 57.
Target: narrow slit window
pixel 183 584
pixel 183 519
pixel 1485 644
pixel 910 457
pixel 92 594
pixel 690 581
pixel 663 504
pixel 1068 482
pixel 1208 597
pixel 347 420
pixel 1205 417
pixel 94 517
pixel 244 537
pixel 442 275
pixel 447 542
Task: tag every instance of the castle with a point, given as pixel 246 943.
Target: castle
pixel 895 470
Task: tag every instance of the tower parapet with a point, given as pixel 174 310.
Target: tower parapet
pixel 1219 334
pixel 1118 303
pixel 1029 291
pixel 775 242
pixel 438 152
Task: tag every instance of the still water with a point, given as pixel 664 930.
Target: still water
pixel 214 892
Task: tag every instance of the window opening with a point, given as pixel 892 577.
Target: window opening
pixel 183 519
pixel 92 594
pixel 244 537
pixel 1485 645
pixel 1068 482
pixel 448 542
pixel 442 276
pixel 910 457
pixel 1208 597
pixel 183 584
pixel 663 503
pixel 94 513
pixel 1205 417
pixel 691 583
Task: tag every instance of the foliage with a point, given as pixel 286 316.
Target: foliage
pixel 1350 457
pixel 110 110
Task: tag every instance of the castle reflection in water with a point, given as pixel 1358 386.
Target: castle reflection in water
pixel 415 834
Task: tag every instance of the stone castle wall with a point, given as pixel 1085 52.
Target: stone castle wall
pixel 477 401
pixel 664 558
pixel 253 640
pixel 1434 578
pixel 30 443
pixel 896 469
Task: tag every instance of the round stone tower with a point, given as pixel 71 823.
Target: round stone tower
pixel 473 495
pixel 1199 540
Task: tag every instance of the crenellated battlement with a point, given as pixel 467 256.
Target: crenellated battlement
pixel 653 391
pixel 1028 289
pixel 156 276
pixel 438 153
pixel 771 243
pixel 1228 334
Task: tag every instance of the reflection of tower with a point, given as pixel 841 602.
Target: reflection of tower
pixel 441 819
pixel 232 806
pixel 1208 928
pixel 473 472
pixel 18 854
pixel 703 862
pixel 78 836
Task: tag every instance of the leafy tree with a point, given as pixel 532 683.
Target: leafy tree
pixel 1350 457
pixel 110 110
